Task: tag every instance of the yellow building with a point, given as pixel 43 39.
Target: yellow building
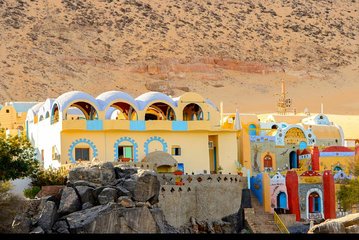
pixel 13 116
pixel 114 126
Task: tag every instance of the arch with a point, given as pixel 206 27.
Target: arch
pixel 88 110
pixel 282 200
pixel 252 130
pixel 55 114
pixel 160 111
pixel 320 193
pixel 47 115
pixel 155 138
pixel 78 141
pixel 127 111
pixel 192 111
pixel 41 118
pixel 126 139
pixel 293 162
pixel 294 135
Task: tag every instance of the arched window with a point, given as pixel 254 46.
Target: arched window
pixel 267 161
pixel 47 114
pixel 124 111
pixel 337 169
pixel 160 111
pixel 192 112
pixel 55 114
pixel 252 130
pixel 41 118
pixel 314 203
pixel 88 112
pixel 275 126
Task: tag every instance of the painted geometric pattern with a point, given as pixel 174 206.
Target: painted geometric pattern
pixel 151 139
pixel 81 140
pixel 126 139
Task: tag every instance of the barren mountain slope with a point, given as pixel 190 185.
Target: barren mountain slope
pixel 226 50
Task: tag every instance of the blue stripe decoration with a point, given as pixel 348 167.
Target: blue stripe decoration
pixel 151 139
pixel 76 142
pixel 337 154
pixel 126 139
pixel 138 125
pixel 179 126
pixel 94 125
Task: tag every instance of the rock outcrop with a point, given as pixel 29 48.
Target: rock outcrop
pixel 99 199
pixel 347 224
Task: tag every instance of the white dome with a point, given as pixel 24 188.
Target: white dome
pixel 146 98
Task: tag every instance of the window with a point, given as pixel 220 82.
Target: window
pixel 82 154
pixel 176 151
pixel 7 111
pixel 125 153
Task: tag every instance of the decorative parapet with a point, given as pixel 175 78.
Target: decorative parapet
pixel 200 179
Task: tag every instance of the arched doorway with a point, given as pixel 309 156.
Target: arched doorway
pixel 282 200
pixel 192 112
pixel 268 161
pixel 314 203
pixel 293 163
pixel 160 111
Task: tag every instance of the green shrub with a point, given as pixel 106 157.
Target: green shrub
pixel 48 177
pixel 31 192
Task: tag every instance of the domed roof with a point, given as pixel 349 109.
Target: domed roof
pixel 104 99
pixel 33 111
pixel 146 98
pixel 67 98
pixel 160 158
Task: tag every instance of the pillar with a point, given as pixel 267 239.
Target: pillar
pixel 329 195
pixel 291 181
pixel 315 158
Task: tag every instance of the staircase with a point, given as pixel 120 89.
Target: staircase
pixel 258 220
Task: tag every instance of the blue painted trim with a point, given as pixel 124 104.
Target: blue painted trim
pixel 337 154
pixel 76 142
pixel 151 139
pixel 139 125
pixel 179 126
pixel 94 125
pixel 126 139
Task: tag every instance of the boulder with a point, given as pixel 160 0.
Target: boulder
pixel 138 220
pixel 85 183
pixel 125 201
pixel 48 216
pixel 144 186
pixel 339 225
pixel 121 191
pixel 69 201
pixel 37 230
pixel 103 174
pixel 107 195
pixel 61 227
pixel 86 205
pixel 86 194
pixel 161 223
pixel 124 172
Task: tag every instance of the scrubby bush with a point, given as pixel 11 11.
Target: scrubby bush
pixel 45 177
pixel 31 192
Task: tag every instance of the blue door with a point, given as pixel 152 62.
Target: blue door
pixel 293 160
pixel 317 207
pixel 215 158
pixel 282 200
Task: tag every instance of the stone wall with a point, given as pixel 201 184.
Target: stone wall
pixel 203 196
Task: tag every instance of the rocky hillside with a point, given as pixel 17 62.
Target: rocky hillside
pixel 221 49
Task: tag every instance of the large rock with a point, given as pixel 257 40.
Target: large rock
pixel 103 174
pixel 48 216
pixel 112 218
pixel 124 172
pixel 21 223
pixel 86 194
pixel 69 202
pixel 107 195
pixel 339 225
pixel 144 186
